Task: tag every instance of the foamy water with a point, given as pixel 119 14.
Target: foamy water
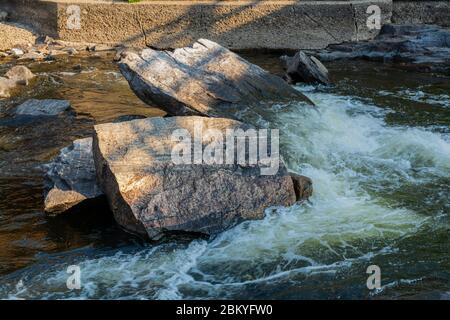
pixel 318 249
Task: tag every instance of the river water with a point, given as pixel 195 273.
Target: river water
pixel 378 152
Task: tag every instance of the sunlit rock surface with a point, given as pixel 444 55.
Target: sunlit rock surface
pixel 301 68
pixel 150 195
pixel 17 75
pixel 204 79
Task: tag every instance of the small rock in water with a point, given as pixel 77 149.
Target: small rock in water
pixel 5 86
pixel 46 107
pixel 3 15
pixel 54 54
pixel 48 40
pixel 15 76
pixel 58 53
pixel 303 187
pixel 71 51
pixel 32 56
pixel 70 178
pixel 77 67
pixel 20 75
pixel 301 68
pixel 16 52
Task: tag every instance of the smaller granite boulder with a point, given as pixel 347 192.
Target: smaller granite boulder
pixel 46 107
pixel 70 178
pixel 301 68
pixel 3 15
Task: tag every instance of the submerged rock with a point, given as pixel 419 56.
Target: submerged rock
pixel 301 68
pixel 420 47
pixel 151 196
pixel 32 56
pixel 14 37
pixel 5 87
pixel 45 107
pixel 303 187
pixel 70 178
pixel 205 79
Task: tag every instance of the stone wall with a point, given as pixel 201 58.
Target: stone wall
pixel 281 24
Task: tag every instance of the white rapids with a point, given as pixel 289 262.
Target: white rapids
pixel 354 159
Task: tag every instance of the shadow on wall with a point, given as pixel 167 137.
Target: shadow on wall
pixel 237 25
pixel 38 16
pixel 246 26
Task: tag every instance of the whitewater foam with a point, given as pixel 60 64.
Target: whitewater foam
pixel 349 152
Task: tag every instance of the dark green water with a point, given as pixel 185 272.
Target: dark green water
pixel 378 153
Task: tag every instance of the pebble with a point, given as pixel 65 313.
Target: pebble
pixel 16 52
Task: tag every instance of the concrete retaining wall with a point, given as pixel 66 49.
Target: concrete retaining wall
pixel 426 12
pixel 236 24
pixel 276 24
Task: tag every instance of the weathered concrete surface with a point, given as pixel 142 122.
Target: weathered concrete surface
pixel 150 195
pixel 303 187
pixel 12 35
pixel 205 79
pixel 234 24
pixel 17 75
pixel 421 12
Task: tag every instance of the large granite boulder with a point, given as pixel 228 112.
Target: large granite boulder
pixel 70 178
pixel 204 79
pixel 151 195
